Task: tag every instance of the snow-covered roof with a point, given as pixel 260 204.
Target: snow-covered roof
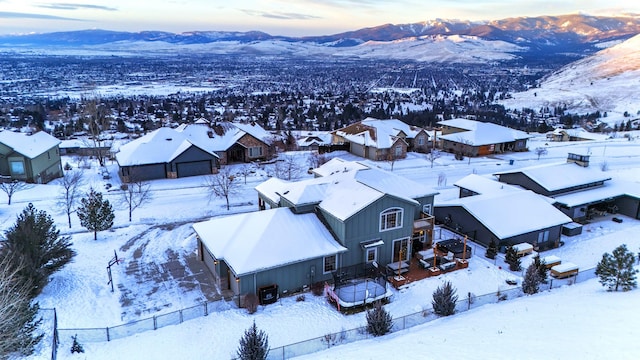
pixel 346 198
pixel 160 146
pixel 381 134
pixel 393 184
pixel 346 188
pixel 481 133
pixel 310 138
pixel 504 213
pixel 255 241
pixel 611 189
pixel 338 165
pixel 561 176
pixel 580 133
pixel 482 185
pixel 222 135
pixel 28 145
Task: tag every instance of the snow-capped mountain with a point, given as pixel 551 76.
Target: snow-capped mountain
pixel 569 36
pixel 607 81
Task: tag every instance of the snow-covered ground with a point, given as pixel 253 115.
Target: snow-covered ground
pixel 159 275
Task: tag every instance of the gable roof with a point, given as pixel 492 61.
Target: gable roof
pixel 381 134
pixel 482 185
pixel 481 133
pixel 560 176
pixel 346 188
pixel 28 145
pixel 222 135
pixel 159 146
pixel 255 241
pixel 502 214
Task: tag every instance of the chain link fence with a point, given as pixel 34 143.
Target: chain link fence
pixel 466 302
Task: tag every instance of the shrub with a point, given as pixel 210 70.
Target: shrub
pixel 251 303
pixel 444 300
pixel 76 347
pixel 317 288
pixel 379 321
pixel 300 298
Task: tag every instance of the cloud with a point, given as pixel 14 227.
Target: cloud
pixel 15 15
pixel 71 6
pixel 280 15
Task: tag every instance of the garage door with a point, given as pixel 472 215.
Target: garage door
pixel 194 168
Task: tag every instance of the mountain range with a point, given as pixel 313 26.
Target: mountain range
pixel 571 36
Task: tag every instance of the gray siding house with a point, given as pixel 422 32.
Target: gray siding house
pixel 33 158
pixel 164 154
pixel 364 215
pixel 508 215
pixel 579 191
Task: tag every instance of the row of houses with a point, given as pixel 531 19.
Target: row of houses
pixel 535 204
pixel 351 214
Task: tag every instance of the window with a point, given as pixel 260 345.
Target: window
pixel 48 155
pixel 330 263
pixel 371 254
pixel 255 151
pixel 421 141
pixel 17 167
pixel 400 250
pixel 398 150
pixel 543 237
pixel 426 209
pixel 391 219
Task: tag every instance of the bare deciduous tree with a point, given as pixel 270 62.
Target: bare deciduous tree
pixel 10 187
pixel 540 151
pixel 315 160
pixel 135 193
pixel 71 182
pixel 442 179
pixel 245 170
pixel 288 169
pixel 17 314
pixel 96 116
pixel 433 155
pixel 223 184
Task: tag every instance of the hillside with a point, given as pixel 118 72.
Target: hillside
pixel 606 81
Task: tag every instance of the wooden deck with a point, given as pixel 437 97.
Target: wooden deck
pixel 417 272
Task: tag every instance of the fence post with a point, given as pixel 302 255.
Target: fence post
pixel 180 316
pixel 206 310
pixel 108 337
pixel 155 323
pixel 54 350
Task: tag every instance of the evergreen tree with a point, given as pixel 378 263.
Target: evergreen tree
pixel 254 345
pixel 36 248
pixel 444 300
pixel 531 282
pixel 543 272
pixel 379 321
pixel 94 213
pixel 492 249
pixel 18 321
pixel 511 258
pixel 616 270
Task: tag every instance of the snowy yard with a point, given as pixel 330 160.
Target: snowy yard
pixel 160 274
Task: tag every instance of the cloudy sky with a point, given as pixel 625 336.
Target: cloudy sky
pixel 277 17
